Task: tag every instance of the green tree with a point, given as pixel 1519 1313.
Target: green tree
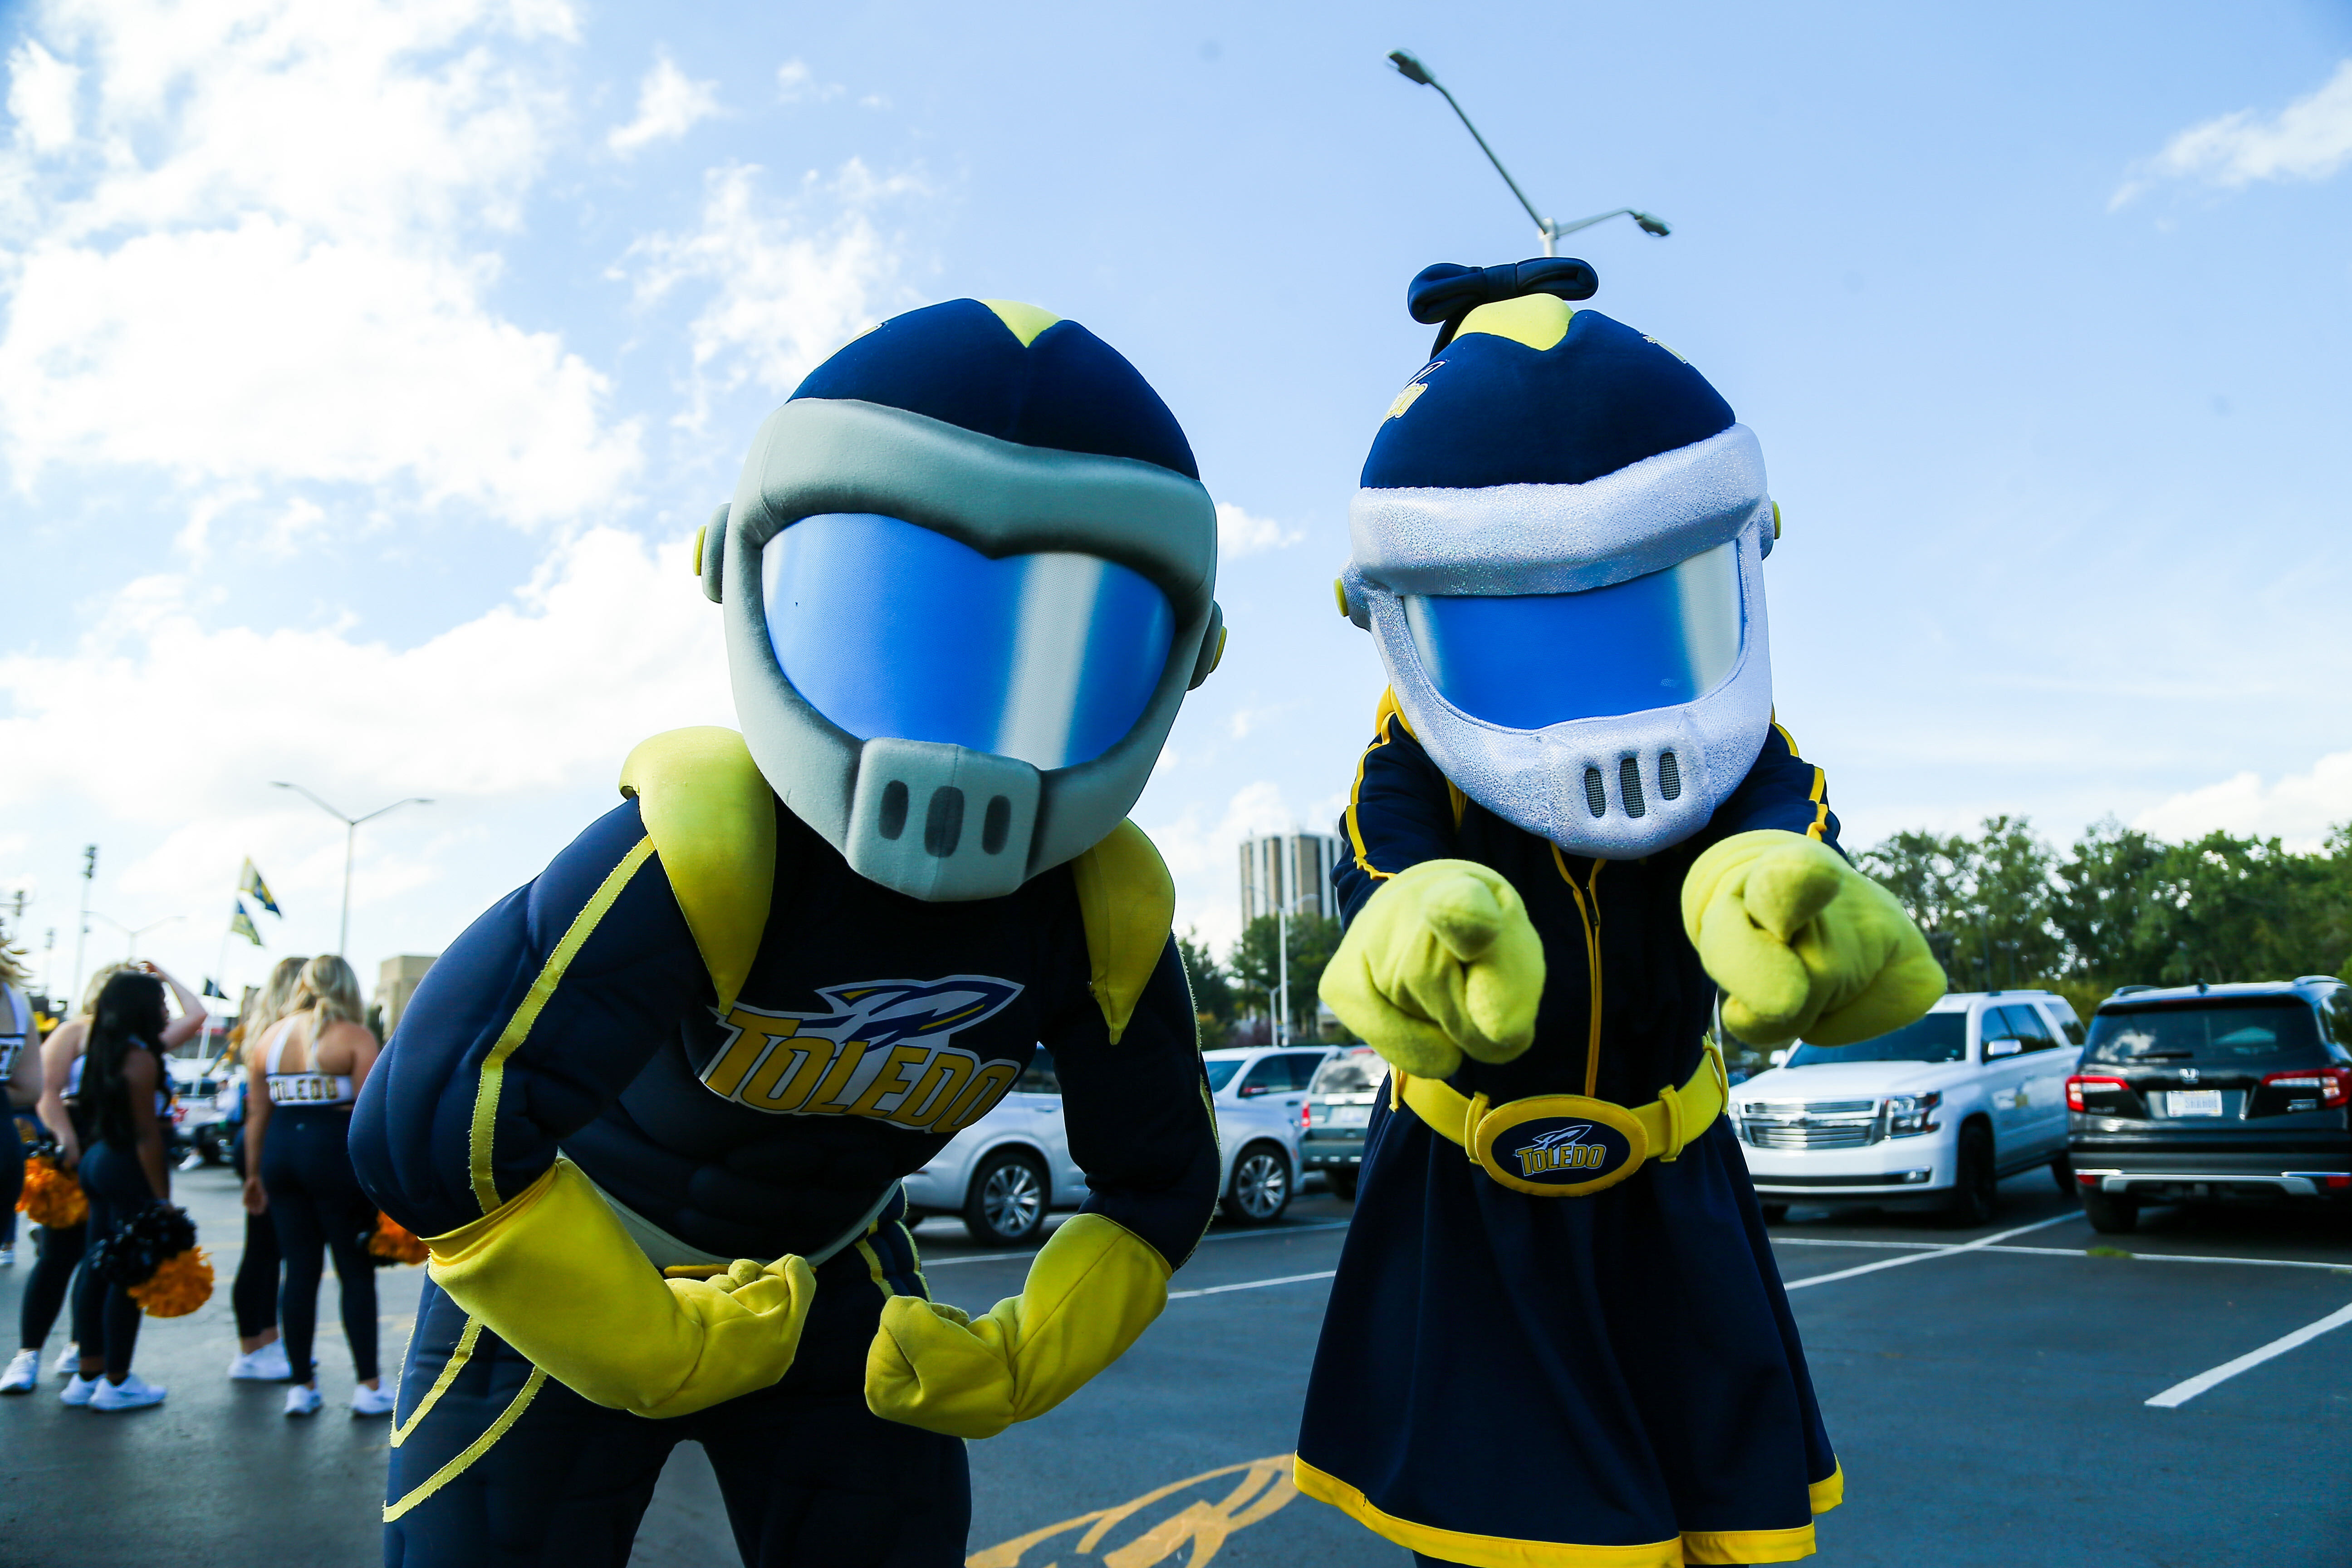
pixel 1984 903
pixel 1213 1001
pixel 1313 940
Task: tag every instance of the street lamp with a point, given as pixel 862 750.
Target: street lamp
pixel 131 948
pixel 351 841
pixel 1412 71
pixel 1282 960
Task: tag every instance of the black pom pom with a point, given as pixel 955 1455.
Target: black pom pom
pixel 131 1255
pixel 1447 292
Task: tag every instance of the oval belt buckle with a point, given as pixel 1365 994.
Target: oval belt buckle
pixel 1559 1145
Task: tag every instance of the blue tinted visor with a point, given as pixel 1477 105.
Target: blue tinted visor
pixel 890 629
pixel 1538 660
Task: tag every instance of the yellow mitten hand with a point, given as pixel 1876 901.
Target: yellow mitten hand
pixel 552 1273
pixel 1440 960
pixel 1091 1292
pixel 1802 944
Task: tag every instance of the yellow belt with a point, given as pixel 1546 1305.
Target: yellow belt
pixel 1568 1145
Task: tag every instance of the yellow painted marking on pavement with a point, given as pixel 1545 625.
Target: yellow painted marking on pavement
pixel 1264 1488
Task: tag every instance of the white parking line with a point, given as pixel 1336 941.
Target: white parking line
pixel 1977 1245
pixel 931 1263
pixel 2068 1252
pixel 2181 1393
pixel 1251 1285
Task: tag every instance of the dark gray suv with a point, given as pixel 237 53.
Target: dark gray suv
pixel 2213 1091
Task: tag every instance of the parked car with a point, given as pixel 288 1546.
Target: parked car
pixel 1007 1171
pixel 2213 1091
pixel 200 1108
pixel 1338 1107
pixel 1260 1093
pixel 1930 1116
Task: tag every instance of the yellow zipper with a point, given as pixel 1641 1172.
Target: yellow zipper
pixel 1589 916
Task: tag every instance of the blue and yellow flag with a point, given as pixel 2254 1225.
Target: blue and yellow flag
pixel 241 925
pixel 250 883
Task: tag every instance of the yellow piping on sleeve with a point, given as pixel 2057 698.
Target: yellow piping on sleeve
pixel 1820 798
pixel 1388 711
pixel 518 1029
pixel 456 1364
pixel 473 1450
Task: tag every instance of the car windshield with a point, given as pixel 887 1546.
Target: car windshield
pixel 1349 1075
pixel 2206 1035
pixel 1937 1037
pixel 1221 1071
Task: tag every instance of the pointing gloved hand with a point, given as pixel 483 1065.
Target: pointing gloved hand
pixel 552 1272
pixel 1440 960
pixel 1091 1292
pixel 1802 944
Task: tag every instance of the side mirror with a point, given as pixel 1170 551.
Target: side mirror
pixel 1780 1058
pixel 2002 1048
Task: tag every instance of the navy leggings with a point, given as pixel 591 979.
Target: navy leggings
pixel 255 1294
pixel 106 1320
pixel 44 1293
pixel 316 1200
pixel 12 1172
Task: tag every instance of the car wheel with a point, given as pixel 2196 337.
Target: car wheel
pixel 1774 1213
pixel 1259 1188
pixel 1006 1201
pixel 2062 1170
pixel 1343 1182
pixel 1976 1190
pixel 2109 1214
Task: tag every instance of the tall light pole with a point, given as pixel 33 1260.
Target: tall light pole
pixel 81 921
pixel 131 947
pixel 1412 69
pixel 350 842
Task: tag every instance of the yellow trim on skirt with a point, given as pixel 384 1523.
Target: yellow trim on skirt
pixel 1693 1546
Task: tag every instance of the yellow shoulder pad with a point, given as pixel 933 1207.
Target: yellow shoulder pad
pixel 712 818
pixel 1128 905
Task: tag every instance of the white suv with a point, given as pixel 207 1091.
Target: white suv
pixel 1932 1115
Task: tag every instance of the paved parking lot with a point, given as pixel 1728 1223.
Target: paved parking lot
pixel 1989 1391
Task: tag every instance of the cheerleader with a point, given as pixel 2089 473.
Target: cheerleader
pixel 260 1354
pixel 301 1081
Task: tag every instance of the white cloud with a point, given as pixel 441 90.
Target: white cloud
pixel 2310 139
pixel 1204 858
pixel 786 290
pixel 669 106
pixel 497 707
pixel 2299 808
pixel 1239 533
pixel 257 258
pixel 40 97
pixel 795 83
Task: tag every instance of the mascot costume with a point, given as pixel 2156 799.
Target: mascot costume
pixel 651 1111
pixel 1557 1335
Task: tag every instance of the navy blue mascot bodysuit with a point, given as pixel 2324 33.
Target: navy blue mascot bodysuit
pixel 651 1111
pixel 1556 1334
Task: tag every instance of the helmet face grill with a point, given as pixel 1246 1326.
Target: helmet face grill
pixel 1629 784
pixel 1596 796
pixel 1670 776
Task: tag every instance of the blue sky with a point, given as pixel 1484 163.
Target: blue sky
pixel 364 369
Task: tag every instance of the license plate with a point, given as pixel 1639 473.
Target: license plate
pixel 1351 1116
pixel 2193 1102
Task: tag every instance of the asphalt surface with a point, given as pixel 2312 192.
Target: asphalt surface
pixel 1988 1391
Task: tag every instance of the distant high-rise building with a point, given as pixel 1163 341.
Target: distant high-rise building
pixel 1292 868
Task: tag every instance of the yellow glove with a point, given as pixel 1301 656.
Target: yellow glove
pixel 1090 1294
pixel 1440 960
pixel 552 1273
pixel 1802 944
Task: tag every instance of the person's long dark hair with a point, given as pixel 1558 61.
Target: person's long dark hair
pixel 129 1017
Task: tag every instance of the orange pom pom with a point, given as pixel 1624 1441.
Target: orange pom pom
pixel 181 1283
pixel 395 1242
pixel 51 1197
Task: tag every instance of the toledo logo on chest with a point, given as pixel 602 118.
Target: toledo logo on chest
pixel 882 1051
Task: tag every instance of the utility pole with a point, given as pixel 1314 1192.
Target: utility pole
pixel 81 925
pixel 350 845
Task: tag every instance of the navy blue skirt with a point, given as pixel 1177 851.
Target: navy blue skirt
pixel 1512 1380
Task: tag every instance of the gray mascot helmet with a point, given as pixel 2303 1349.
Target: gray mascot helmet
pixel 968 576
pixel 1557 546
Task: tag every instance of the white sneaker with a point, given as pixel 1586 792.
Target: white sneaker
pixel 68 1362
pixel 267 1364
pixel 24 1373
pixel 366 1401
pixel 133 1392
pixel 303 1400
pixel 78 1390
